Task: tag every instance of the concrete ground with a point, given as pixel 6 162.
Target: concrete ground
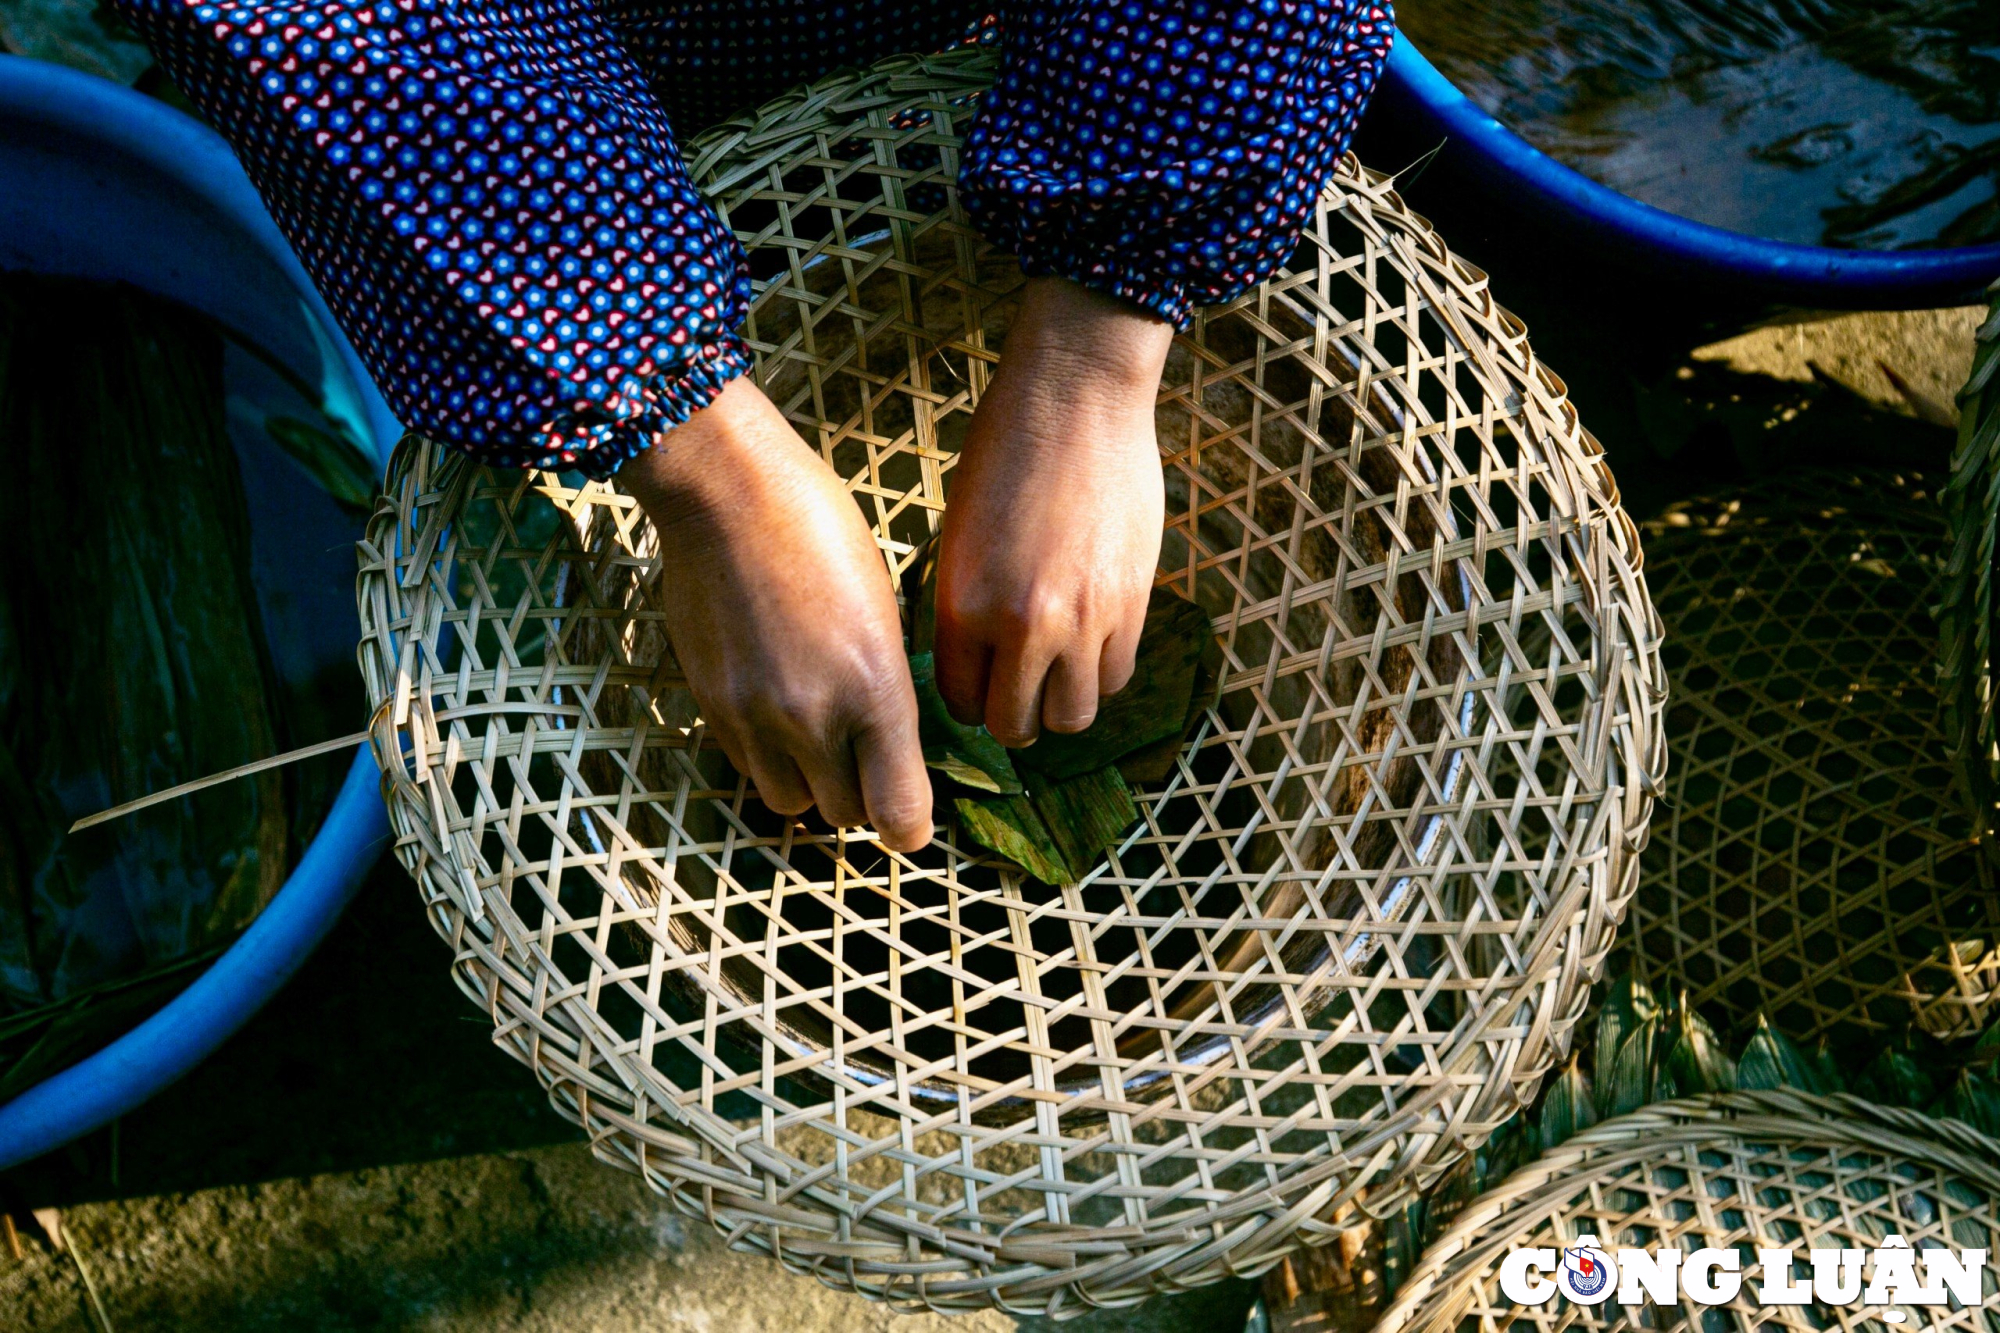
pixel 360 1157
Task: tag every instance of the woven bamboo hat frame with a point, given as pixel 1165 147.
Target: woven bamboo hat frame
pixel 1344 941
pixel 1738 1170
pixel 1813 858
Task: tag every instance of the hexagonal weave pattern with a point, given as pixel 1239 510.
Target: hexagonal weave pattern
pixel 1813 859
pixel 1739 1170
pixel 1345 939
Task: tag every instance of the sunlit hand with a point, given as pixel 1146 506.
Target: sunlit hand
pixel 783 617
pixel 1052 526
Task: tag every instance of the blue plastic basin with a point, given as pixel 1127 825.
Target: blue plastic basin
pixel 99 181
pixel 1504 201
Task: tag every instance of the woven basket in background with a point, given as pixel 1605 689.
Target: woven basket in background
pixel 1813 858
pixel 1347 937
pixel 1738 1170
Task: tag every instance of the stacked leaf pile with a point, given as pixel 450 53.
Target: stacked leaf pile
pixel 1055 806
pixel 132 658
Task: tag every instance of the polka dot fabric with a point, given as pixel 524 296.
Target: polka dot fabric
pixel 1168 153
pixel 490 197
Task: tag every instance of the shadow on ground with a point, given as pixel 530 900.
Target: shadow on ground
pixel 368 1057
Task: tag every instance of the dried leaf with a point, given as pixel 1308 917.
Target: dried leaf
pixel 967 755
pixel 1571 1106
pixel 1770 1061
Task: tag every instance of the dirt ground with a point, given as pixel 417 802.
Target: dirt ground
pixel 532 1241
pixel 361 1157
pixel 1929 350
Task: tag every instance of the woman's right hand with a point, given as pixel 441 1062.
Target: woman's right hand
pixel 782 615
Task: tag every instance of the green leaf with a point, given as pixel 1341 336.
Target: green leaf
pixel 1966 612
pixel 1770 1061
pixel 1628 1003
pixel 1626 1027
pixel 1176 677
pixel 335 462
pixel 1458 1187
pixel 1516 1143
pixel 1402 1244
pixel 1626 1084
pixel 144 662
pixel 1972 1099
pixel 1571 1106
pixel 920 597
pixel 1152 707
pixel 1697 1062
pixel 36 1043
pixel 1009 825
pixel 967 755
pixel 1987 1048
pixel 1085 815
pixel 1827 1067
pixel 1155 762
pixel 1057 832
pixel 1894 1078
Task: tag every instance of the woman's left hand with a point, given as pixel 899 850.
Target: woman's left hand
pixel 1052 531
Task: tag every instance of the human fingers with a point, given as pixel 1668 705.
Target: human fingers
pixel 964 664
pixel 1014 689
pixel 779 782
pixel 895 787
pixel 1119 656
pixel 1069 692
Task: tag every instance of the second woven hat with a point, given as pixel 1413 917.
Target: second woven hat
pixel 1813 861
pixel 1738 1171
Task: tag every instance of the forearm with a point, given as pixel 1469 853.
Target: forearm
pixel 1096 339
pixel 491 203
pixel 1168 156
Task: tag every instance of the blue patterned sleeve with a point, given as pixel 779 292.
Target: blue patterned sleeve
pixel 492 203
pixel 1167 151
